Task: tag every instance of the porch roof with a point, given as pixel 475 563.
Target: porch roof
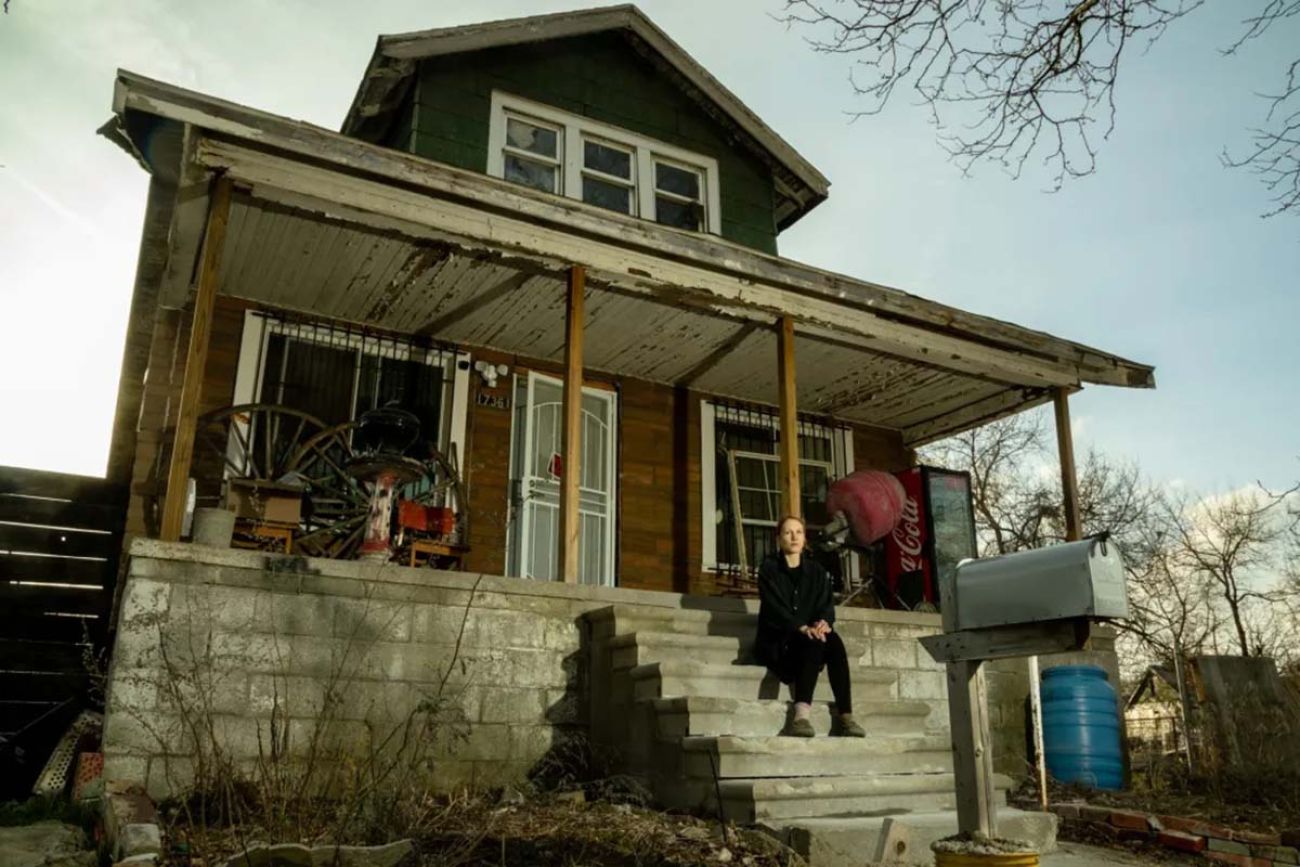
pixel 336 227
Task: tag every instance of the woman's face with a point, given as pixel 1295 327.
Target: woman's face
pixel 790 540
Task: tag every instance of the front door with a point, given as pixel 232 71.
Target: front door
pixel 537 461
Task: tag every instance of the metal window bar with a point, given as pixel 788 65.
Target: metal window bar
pixel 338 371
pixel 745 430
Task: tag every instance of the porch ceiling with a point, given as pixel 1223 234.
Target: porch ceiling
pixel 301 260
pixel 338 228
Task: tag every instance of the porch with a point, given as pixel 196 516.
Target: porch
pixel 254 215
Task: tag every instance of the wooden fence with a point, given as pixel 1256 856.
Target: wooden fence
pixel 60 538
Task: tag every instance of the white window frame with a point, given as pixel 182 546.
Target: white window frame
pixel 258 329
pixel 646 152
pixel 841 465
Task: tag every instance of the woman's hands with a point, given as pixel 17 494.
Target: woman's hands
pixel 818 631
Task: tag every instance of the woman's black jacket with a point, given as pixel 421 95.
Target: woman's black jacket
pixel 788 599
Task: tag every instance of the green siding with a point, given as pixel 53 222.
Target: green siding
pixel 599 77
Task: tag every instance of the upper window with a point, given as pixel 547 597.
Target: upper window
pixel 562 153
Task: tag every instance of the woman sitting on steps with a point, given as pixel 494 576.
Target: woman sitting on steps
pixel 795 639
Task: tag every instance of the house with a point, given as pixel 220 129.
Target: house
pixel 480 172
pixel 513 213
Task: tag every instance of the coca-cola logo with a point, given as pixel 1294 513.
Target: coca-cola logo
pixel 908 536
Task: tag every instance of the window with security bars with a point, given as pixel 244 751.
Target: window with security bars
pixel 747 466
pixel 336 374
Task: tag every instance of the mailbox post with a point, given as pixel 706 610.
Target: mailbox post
pixel 1024 604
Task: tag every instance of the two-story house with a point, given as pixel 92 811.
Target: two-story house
pixel 428 254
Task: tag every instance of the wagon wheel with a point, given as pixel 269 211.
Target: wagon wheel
pixel 335 523
pixel 256 440
pixel 228 443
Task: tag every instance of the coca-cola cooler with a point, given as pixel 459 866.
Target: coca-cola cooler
pixel 937 532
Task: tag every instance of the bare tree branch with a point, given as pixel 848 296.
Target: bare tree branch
pixel 1010 80
pixel 1004 80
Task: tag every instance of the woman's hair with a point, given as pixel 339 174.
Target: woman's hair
pixel 780 525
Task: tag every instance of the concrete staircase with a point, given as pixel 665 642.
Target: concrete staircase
pixel 675 694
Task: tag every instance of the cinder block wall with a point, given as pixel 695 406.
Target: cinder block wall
pixel 233 646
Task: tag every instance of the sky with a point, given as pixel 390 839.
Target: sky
pixel 1161 257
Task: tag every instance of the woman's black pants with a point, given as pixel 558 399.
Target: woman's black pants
pixel 806 658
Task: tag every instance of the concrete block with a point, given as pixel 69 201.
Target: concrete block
pixel 367 620
pixel 217 690
pixel 1219 844
pixel 137 647
pixel 296 614
pixel 530 743
pixel 140 838
pixel 144 733
pixel 169 775
pixel 125 767
pixel 489 627
pixel 921 685
pixel 237 609
pixel 249 651
pixel 133 688
pixel 144 603
pixel 437 624
pixel 511 705
pixel 296 696
pixel 319 657
pixel 484 742
pixel 893 654
pixel 562 633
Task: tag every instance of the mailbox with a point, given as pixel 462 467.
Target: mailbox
pixel 1070 581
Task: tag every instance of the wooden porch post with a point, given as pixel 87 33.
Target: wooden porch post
pixel 571 442
pixel 196 357
pixel 1069 480
pixel 790 501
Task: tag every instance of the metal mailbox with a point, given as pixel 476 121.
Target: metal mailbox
pixel 1069 581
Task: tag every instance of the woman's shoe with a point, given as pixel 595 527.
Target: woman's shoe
pixel 799 728
pixel 847 727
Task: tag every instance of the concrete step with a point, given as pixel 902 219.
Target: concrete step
pixel 689 678
pixel 642 647
pixel 850 842
pixel 764 799
pixel 729 757
pixel 683 716
pixel 621 620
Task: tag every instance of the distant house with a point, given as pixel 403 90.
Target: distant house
pixel 426 254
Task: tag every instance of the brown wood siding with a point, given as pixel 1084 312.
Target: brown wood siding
pixel 161 393
pixel 658 528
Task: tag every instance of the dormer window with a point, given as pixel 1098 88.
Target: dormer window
pixel 557 152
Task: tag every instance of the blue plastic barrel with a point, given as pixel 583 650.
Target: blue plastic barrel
pixel 1081 727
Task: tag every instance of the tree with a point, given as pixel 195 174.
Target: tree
pixel 1203 573
pixel 1012 79
pixel 1235 542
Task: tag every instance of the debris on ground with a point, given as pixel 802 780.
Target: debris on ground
pixel 1217 802
pixel 45 844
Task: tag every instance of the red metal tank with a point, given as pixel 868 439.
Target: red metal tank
pixel 872 501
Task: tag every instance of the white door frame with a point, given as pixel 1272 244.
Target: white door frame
pixel 521 472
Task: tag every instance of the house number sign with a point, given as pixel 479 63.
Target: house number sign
pixel 494 401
